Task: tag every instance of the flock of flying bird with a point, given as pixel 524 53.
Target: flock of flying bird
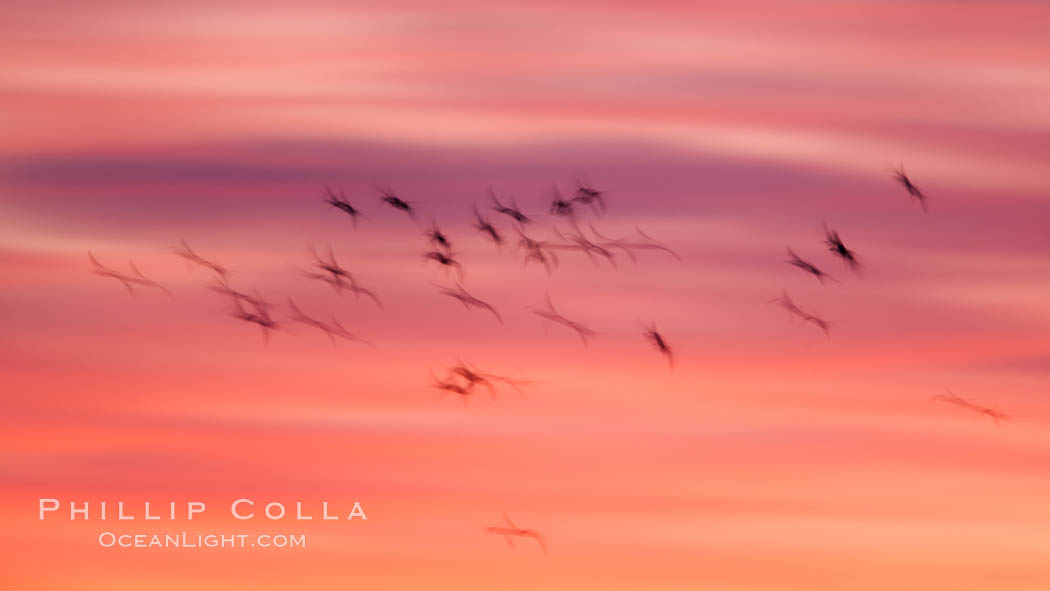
pixel 464 379
pixel 254 309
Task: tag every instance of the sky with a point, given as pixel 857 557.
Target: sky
pixel 770 457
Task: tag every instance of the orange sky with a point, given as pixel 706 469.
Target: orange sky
pixel 770 458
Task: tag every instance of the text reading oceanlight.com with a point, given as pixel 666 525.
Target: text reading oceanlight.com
pixel 197 540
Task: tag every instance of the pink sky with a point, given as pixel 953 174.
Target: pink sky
pixel 770 459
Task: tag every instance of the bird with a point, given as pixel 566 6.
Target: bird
pixel 334 274
pixel 449 385
pixel 560 206
pixel 796 261
pixel 628 247
pixel 508 210
pixel 128 280
pixel 446 260
pixel 222 286
pixel 184 251
pixel 509 531
pixel 437 238
pixel 660 343
pixel 333 329
pixel 469 301
pixel 838 248
pixel 341 203
pixel 784 301
pixel 331 271
pixel 536 251
pixel 388 197
pixel 549 313
pixel 474 376
pixel 259 316
pixel 484 226
pixel 902 177
pixel 260 313
pixel 575 240
pixel 588 195
pixel 991 413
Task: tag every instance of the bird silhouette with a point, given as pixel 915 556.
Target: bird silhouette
pixel 629 247
pixel 511 210
pixel 536 251
pixel 953 398
pixel 784 301
pixel 588 195
pixel 561 206
pixel 838 248
pixel 127 280
pixel 575 240
pixel 550 313
pixel 184 251
pixel 474 377
pixel 902 177
pixel 437 238
pixel 341 203
pixel 797 261
pixel 509 531
pixel 333 329
pixel 446 260
pixel 450 386
pixel 390 198
pixel 659 343
pixel 484 226
pixel 469 301
pixel 331 272
pixel 258 315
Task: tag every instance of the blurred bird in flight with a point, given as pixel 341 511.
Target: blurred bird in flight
pixel 341 203
pixel 953 398
pixel 509 531
pixel 902 177
pixel 184 251
pixel 128 280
